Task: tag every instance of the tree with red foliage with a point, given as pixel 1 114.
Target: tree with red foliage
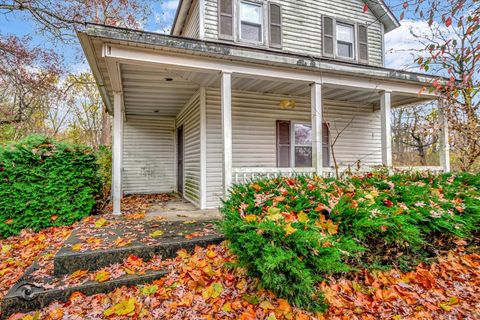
pixel 452 49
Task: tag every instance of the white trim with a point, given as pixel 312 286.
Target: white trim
pixel 148 58
pixel 386 114
pixel 201 19
pixel 203 148
pixel 354 50
pixel 117 150
pixel 444 144
pixel 226 106
pixel 317 127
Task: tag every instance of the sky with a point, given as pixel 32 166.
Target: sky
pixel 398 42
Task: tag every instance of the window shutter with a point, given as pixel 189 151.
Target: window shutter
pixel 328 36
pixel 275 25
pixel 225 19
pixel 283 144
pixel 363 44
pixel 326 145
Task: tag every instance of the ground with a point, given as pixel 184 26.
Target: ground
pixel 203 285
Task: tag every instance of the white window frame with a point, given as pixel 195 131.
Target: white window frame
pixel 262 17
pixel 293 144
pixel 354 44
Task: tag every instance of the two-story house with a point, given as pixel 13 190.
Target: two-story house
pixel 249 88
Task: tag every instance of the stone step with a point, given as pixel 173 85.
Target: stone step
pixel 144 239
pixel 25 296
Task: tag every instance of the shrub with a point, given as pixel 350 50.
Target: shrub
pixel 44 183
pixel 293 232
pixel 104 156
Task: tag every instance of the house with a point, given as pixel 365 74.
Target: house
pixel 248 88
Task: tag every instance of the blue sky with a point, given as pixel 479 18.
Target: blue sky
pixel 398 41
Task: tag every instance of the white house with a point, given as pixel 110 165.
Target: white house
pixel 243 88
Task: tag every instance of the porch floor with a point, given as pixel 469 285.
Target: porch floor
pixel 179 209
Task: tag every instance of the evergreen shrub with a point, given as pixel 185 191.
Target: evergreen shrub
pixel 45 183
pixel 291 233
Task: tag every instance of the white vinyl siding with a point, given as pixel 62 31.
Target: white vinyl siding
pixel 254 133
pixel 192 24
pixel 148 155
pixel 189 118
pixel 302 25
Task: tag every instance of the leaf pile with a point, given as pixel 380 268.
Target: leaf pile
pixel 292 233
pixel 202 285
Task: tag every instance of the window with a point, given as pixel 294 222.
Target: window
pixel 302 148
pixel 345 40
pixel 251 22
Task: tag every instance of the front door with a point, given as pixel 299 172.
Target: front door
pixel 180 160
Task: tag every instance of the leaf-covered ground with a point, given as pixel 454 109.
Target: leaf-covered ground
pixel 203 285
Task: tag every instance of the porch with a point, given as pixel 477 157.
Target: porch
pixel 196 124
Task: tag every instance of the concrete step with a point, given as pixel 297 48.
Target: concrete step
pixel 25 296
pixel 66 262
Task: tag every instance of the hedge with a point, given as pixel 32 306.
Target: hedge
pixel 292 233
pixel 45 183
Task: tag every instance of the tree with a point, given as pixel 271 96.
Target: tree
pixel 24 91
pixel 414 128
pixel 452 49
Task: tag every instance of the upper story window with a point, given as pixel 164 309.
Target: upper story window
pixel 251 22
pixel 345 41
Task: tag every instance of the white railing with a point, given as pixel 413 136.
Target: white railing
pixel 243 175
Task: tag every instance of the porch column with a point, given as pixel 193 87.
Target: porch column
pixel 226 97
pixel 317 127
pixel 386 111
pixel 444 144
pixel 117 152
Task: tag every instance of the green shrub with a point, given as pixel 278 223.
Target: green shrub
pixel 104 161
pixel 44 183
pixel 293 232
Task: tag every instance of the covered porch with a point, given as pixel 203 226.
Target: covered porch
pixel 198 124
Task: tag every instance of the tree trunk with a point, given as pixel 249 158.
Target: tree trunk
pixel 105 137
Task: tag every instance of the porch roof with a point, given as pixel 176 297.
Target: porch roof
pixel 150 86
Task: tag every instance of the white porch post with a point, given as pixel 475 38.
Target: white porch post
pixel 117 152
pixel 226 97
pixel 317 127
pixel 386 108
pixel 444 144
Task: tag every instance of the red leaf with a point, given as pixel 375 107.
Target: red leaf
pixel 448 22
pixel 365 7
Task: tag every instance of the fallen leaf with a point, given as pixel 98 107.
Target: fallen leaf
pixel 122 308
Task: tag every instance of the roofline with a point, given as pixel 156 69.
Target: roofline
pixel 177 13
pixel 392 15
pixel 209 48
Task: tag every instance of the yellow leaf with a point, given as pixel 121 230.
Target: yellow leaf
pixel 102 276
pixel 123 308
pixel 190 222
pixel 182 254
pixel 227 307
pixel 77 247
pixel 302 217
pixel 274 217
pixel 267 305
pixel 156 234
pixel 213 291
pixel 273 211
pixel 6 248
pixel 149 290
pixel 251 218
pixel 289 229
pixel 100 223
pixel 4 271
pixel 78 274
pixel 121 242
pixel 211 254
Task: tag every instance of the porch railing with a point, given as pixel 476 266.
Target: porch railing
pixel 243 175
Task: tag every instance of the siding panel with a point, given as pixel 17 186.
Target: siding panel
pixel 192 24
pixel 148 155
pixel 189 118
pixel 254 133
pixel 302 25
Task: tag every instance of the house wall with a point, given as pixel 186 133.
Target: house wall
pixel 302 25
pixel 192 24
pixel 254 118
pixel 189 118
pixel 148 155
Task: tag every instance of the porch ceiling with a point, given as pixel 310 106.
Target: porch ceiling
pixel 162 92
